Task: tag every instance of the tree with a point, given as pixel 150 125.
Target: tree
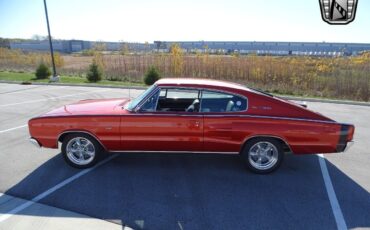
pixel 38 37
pixel 100 46
pixel 151 76
pixel 4 43
pixel 42 71
pixel 95 73
pixel 124 49
pixel 147 46
pixel 177 59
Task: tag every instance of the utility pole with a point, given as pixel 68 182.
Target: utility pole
pixel 54 77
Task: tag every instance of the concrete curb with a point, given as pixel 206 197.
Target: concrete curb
pixel 346 102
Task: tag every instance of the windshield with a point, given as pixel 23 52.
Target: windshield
pixel 130 106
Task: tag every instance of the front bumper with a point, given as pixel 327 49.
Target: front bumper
pixel 35 142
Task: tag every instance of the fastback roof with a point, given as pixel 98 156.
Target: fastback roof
pixel 199 82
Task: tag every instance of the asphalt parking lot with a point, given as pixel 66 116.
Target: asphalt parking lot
pixel 179 191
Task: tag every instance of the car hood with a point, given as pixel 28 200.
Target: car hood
pixel 90 107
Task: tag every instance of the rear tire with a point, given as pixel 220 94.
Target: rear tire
pixel 263 155
pixel 81 151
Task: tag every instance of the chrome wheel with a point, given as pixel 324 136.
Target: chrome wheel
pixel 263 155
pixel 80 151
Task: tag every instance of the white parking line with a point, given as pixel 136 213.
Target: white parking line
pixel 51 98
pixel 27 90
pixel 11 129
pixel 39 197
pixel 338 215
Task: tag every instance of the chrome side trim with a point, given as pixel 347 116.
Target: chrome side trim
pixel 230 115
pixel 199 114
pixel 35 142
pixel 142 151
pixel 80 131
pixel 270 117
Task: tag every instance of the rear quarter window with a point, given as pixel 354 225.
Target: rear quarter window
pixel 213 101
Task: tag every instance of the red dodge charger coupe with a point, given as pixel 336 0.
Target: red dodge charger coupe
pixel 190 115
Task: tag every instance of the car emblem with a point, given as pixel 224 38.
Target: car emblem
pixel 338 12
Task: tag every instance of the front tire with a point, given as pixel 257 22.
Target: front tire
pixel 263 155
pixel 80 150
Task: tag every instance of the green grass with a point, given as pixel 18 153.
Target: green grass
pixel 30 77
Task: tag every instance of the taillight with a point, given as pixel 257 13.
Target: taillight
pixel 350 132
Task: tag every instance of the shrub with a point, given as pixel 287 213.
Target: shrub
pixel 95 73
pixel 42 71
pixel 151 75
pixel 88 52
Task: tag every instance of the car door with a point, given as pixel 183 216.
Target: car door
pixel 221 112
pixel 168 120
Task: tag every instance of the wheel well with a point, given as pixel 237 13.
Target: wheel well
pixel 65 134
pixel 283 143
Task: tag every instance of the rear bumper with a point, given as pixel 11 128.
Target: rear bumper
pixel 35 142
pixel 344 146
pixel 345 138
pixel 348 146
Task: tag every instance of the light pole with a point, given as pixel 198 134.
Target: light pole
pixel 54 77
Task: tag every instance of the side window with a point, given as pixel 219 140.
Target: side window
pixel 213 101
pixel 178 100
pixel 150 104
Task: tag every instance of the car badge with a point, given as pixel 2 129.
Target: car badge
pixel 338 12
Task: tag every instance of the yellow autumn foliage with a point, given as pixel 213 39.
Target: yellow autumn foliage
pixel 334 77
